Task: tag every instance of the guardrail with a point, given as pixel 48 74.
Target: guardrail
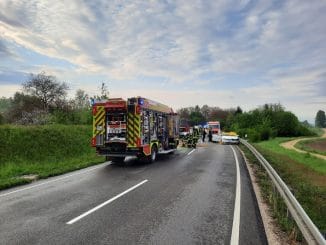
pixel 308 229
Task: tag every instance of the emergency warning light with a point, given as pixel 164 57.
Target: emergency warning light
pixel 140 102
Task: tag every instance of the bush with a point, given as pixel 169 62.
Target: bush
pixel 253 135
pixel 268 121
pixel 2 119
pixel 302 130
pixel 265 133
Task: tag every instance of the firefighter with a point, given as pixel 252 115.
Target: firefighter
pixel 210 135
pixel 204 134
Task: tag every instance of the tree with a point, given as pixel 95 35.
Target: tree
pixel 205 111
pixel 2 119
pixel 46 88
pixel 196 118
pixel 320 120
pixel 26 109
pixel 238 110
pixel 218 114
pixel 104 92
pixel 5 104
pixel 81 100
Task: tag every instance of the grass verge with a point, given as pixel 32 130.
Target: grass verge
pixel 310 162
pixel 43 151
pixel 306 181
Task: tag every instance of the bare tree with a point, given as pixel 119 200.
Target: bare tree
pixel 205 110
pixel 81 100
pixel 46 88
pixel 104 91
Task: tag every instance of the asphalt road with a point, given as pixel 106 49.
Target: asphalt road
pixel 184 198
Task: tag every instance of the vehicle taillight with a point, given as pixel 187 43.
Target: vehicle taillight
pixel 94 110
pixel 93 141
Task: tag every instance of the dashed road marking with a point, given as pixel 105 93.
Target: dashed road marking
pixel 105 203
pixel 191 152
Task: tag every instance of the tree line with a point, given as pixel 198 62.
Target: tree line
pixel 262 123
pixel 43 100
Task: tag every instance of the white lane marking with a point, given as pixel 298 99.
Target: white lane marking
pixel 191 152
pixel 51 181
pixel 236 215
pixel 105 203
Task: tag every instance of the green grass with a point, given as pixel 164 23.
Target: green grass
pixel 304 145
pixel 311 162
pixel 43 151
pixel 304 174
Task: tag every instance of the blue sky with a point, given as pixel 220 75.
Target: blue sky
pixel 222 53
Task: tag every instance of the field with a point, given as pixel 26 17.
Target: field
pixel 316 146
pixel 33 152
pixel 304 174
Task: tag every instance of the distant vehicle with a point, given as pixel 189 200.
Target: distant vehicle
pixel 230 138
pixel 216 138
pixel 137 127
pixel 216 130
pixel 184 131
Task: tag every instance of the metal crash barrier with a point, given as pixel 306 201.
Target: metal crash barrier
pixel 308 229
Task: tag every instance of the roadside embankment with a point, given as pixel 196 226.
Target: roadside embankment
pixel 31 152
pixel 304 174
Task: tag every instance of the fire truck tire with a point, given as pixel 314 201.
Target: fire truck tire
pixel 118 160
pixel 152 156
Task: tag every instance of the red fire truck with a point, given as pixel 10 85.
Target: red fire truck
pixel 137 127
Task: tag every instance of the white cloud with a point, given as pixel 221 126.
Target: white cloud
pixel 277 46
pixel 9 90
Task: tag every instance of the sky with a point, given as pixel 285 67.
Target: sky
pixel 181 53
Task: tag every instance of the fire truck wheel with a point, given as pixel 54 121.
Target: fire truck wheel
pixel 152 157
pixel 118 160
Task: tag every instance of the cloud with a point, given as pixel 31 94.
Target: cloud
pixel 5 51
pixel 128 39
pixel 10 77
pixel 272 49
pixel 9 90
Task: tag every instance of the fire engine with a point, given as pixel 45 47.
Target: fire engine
pixel 134 127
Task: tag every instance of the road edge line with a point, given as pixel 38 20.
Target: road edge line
pixel 57 178
pixel 237 203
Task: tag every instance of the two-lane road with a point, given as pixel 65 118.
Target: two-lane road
pixel 189 197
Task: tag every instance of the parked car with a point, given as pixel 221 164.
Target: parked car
pixel 230 138
pixel 216 138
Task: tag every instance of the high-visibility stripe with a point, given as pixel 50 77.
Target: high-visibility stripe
pixel 133 129
pixel 98 120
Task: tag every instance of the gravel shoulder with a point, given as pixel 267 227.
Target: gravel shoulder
pixel 274 234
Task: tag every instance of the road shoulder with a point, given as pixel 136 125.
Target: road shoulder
pixel 273 232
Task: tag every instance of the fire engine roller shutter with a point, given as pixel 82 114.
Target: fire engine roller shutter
pixel 98 121
pixel 133 129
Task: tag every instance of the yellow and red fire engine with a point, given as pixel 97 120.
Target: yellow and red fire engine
pixel 137 127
